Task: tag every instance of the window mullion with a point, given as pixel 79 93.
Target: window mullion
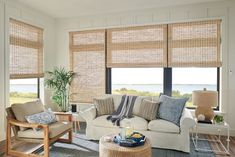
pixel 167 81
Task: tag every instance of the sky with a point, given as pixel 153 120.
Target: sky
pixel 155 76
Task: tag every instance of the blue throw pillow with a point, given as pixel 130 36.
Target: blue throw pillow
pixel 46 117
pixel 171 108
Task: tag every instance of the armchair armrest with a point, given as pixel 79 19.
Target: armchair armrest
pixel 64 116
pixel 13 122
pixel 186 121
pixel 89 114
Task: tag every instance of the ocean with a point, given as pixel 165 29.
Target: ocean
pixel 183 88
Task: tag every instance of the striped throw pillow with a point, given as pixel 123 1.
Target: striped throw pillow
pixel 104 106
pixel 148 109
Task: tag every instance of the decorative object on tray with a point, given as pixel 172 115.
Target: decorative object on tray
pixel 219 119
pixel 136 139
pixel 205 100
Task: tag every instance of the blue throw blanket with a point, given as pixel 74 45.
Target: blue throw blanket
pixel 124 110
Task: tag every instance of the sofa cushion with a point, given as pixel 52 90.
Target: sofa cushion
pixel 54 130
pixel 102 121
pixel 104 106
pixel 160 125
pixel 26 109
pixel 136 122
pixel 148 109
pixel 171 108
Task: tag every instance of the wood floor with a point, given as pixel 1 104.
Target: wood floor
pixel 213 145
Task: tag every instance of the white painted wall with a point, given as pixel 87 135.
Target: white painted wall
pixel 25 14
pixel 2 98
pixel 224 10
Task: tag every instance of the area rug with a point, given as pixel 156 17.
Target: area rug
pixel 81 147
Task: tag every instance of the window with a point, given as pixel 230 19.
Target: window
pixel 23 90
pixel 137 81
pixel 186 80
pixel 26 61
pixel 148 60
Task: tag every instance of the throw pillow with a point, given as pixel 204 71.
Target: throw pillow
pixel 171 108
pixel 46 117
pixel 148 109
pixel 104 106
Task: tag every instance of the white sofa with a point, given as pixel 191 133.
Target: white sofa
pixel 162 134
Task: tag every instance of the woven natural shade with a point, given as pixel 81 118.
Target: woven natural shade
pixel 141 46
pixel 194 44
pixel 87 55
pixel 26 50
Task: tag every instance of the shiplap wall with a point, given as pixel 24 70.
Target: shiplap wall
pixel 223 10
pixel 12 9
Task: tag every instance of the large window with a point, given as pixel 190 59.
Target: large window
pixel 23 90
pixel 186 80
pixel 137 81
pixel 173 59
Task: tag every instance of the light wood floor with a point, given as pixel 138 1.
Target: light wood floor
pixel 213 145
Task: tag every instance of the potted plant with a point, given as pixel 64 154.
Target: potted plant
pixel 59 80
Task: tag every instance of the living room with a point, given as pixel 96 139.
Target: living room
pixel 152 63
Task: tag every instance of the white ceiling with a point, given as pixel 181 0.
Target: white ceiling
pixel 72 8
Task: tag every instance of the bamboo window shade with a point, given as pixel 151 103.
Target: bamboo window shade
pixel 87 55
pixel 194 44
pixel 26 50
pixel 140 46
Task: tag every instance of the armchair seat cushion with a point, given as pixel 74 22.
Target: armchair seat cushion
pixel 160 125
pixel 54 130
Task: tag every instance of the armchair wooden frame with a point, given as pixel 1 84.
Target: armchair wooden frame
pixel 44 143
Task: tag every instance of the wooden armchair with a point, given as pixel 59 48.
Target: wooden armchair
pixel 27 142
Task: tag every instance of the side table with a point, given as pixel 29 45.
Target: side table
pixel 218 128
pixel 75 121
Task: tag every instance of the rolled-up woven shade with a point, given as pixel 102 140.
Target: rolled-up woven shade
pixel 194 44
pixel 140 46
pixel 87 58
pixel 26 50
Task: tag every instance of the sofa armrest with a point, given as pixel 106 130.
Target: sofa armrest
pixel 187 121
pixel 89 114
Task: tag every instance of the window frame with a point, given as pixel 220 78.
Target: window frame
pixel 38 86
pixel 167 83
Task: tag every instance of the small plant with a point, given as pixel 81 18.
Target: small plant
pixel 219 119
pixel 59 80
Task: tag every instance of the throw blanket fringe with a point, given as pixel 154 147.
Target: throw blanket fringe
pixel 124 110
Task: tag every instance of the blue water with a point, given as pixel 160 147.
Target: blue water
pixel 157 88
pixel 31 88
